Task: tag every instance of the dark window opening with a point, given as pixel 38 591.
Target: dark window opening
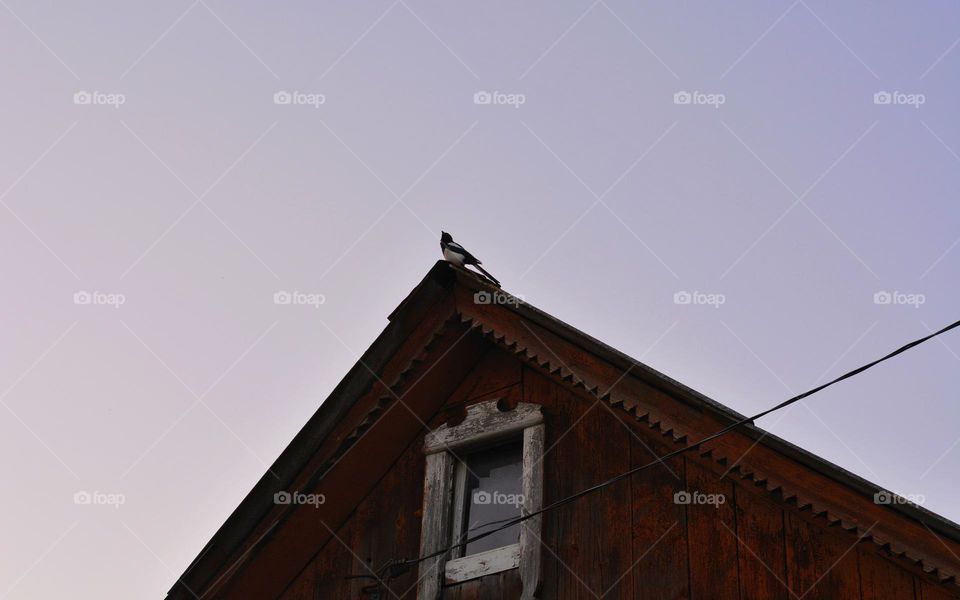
pixel 492 493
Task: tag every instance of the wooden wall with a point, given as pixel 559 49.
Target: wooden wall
pixel 628 541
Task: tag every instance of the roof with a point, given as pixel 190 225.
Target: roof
pixel 439 288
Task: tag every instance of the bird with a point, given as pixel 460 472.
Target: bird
pixel 460 256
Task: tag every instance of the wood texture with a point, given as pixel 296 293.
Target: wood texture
pixel 435 530
pixel 482 563
pixel 713 547
pixel 821 563
pixel 617 560
pixel 484 422
pixel 574 543
pixel 668 550
pixel 930 591
pixel 659 527
pixel 761 550
pixel 531 550
pixel 880 581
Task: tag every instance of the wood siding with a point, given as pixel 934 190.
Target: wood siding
pixel 632 540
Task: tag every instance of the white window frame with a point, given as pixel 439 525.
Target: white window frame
pixel 443 497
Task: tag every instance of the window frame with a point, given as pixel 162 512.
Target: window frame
pixel 443 501
pixel 461 473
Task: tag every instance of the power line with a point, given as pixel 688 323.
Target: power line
pixel 507 523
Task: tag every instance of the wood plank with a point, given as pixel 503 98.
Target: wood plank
pixel 929 590
pixel 435 530
pixel 531 531
pixel 659 524
pixel 763 572
pixel 577 455
pixel 302 587
pixel 615 547
pixel 482 563
pixel 713 550
pixel 332 564
pixel 495 372
pixel 385 525
pixel 465 590
pixel 821 563
pixel 371 510
pixel 881 579
pixel 539 390
pixel 484 422
pixel 501 586
pixel 567 534
pixel 498 586
pixel 393 523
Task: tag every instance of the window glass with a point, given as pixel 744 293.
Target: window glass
pixel 493 493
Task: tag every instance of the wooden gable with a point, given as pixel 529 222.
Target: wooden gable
pixel 787 526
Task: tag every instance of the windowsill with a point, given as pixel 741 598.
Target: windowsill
pixel 483 563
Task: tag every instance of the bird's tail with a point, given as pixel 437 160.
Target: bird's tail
pixel 488 275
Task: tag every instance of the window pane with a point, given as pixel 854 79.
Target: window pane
pixel 492 494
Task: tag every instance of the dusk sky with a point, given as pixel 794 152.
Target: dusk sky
pixel 750 197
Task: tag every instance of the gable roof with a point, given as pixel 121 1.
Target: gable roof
pixel 431 322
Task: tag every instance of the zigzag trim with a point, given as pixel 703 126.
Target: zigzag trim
pixel 745 472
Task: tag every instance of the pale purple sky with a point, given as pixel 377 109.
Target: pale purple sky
pixel 785 189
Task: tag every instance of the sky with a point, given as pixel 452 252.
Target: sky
pixel 749 197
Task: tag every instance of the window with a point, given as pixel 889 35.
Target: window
pixel 491 494
pixel 487 468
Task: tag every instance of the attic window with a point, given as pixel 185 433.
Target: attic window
pixel 487 468
pixel 491 493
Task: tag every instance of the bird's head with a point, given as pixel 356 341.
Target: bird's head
pixel 445 238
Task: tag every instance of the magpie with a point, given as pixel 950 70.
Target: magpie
pixel 460 256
